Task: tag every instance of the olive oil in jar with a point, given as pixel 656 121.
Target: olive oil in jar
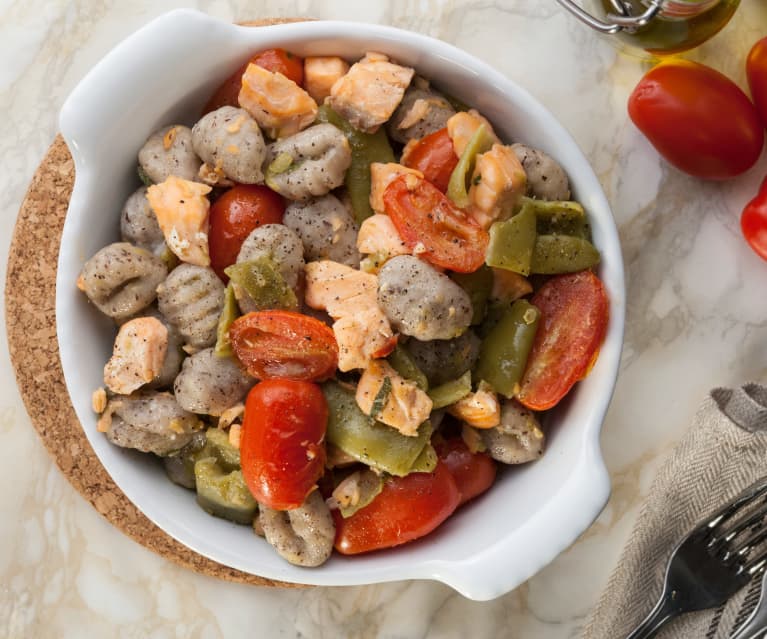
pixel 680 24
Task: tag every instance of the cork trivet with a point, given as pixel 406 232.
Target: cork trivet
pixel 30 302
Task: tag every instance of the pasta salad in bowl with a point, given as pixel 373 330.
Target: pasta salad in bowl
pixel 345 305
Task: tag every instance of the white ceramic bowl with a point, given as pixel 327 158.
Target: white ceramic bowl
pixel 163 74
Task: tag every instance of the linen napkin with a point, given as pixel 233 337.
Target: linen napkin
pixel 724 452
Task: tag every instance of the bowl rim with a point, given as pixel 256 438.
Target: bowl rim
pixel 590 469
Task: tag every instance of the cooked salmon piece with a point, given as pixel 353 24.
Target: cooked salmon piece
pixel 278 104
pixel 138 355
pixel 381 176
pixel 370 92
pixel 402 405
pixel 378 235
pixel 463 125
pixel 350 297
pixel 182 209
pixel 480 409
pixel 497 184
pixel 321 73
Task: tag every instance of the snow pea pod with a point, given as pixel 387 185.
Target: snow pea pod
pixel 554 254
pixel 366 440
pixel 402 362
pixel 512 242
pixel 366 149
pixel 450 392
pixel 458 186
pixel 504 352
pixel 258 286
pixel 559 217
pixel 223 493
pixel 229 313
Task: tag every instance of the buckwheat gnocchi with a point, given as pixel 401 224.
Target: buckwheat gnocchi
pixel 324 324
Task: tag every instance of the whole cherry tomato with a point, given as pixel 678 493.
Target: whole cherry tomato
pixel 407 508
pixel 756 71
pixel 473 473
pixel 697 119
pixel 434 156
pixel 232 218
pixel 277 60
pixel 285 345
pixel 435 228
pixel 282 448
pixel 574 314
pixel 753 222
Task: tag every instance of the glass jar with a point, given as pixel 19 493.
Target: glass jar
pixel 659 27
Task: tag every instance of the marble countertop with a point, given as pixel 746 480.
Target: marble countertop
pixel 697 317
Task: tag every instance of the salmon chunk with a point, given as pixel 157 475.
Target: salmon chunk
pixel 182 209
pixel 378 235
pixel 349 296
pixel 138 355
pixel 497 184
pixel 370 92
pixel 321 73
pixel 463 125
pixel 278 104
pixel 401 405
pixel 381 176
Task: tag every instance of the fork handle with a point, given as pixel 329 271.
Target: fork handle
pixel 663 612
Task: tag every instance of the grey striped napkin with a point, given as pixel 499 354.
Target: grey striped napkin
pixel 724 451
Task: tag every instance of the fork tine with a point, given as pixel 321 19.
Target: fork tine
pixel 751 542
pixel 750 494
pixel 754 518
pixel 756 566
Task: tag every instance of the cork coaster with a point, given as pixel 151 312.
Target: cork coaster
pixel 30 302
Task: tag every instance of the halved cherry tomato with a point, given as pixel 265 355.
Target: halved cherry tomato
pixel 433 156
pixel 285 345
pixel 433 227
pixel 282 449
pixel 473 473
pixel 233 217
pixel 756 71
pixel 407 508
pixel 753 222
pixel 698 119
pixel 574 312
pixel 277 60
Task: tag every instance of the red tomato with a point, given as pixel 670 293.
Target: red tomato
pixel 433 156
pixel 697 119
pixel 277 60
pixel 428 222
pixel 285 345
pixel 281 61
pixel 407 508
pixel 574 313
pixel 756 70
pixel 232 218
pixel 753 222
pixel 282 448
pixel 473 473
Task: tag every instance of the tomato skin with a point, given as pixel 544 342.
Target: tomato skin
pixel 284 345
pixel 434 156
pixel 697 119
pixel 756 71
pixel 574 313
pixel 407 508
pixel 473 473
pixel 282 447
pixel 426 219
pixel 753 222
pixel 234 215
pixel 281 61
pixel 277 60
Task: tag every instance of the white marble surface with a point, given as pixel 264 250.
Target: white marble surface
pixel 697 317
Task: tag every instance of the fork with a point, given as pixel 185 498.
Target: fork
pixel 712 562
pixel 756 625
